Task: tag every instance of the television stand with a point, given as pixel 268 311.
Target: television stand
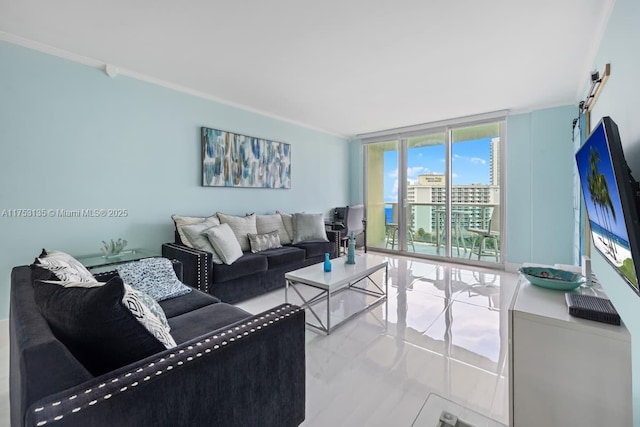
pixel 564 370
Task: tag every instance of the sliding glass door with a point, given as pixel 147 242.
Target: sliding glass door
pixel 437 192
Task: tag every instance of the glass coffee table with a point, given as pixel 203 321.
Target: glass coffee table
pixel 97 263
pixel 342 277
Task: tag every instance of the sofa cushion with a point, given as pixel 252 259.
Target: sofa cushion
pixel 224 242
pixel 95 325
pixel 241 226
pixel 315 249
pixel 193 300
pixel 153 276
pixel 308 227
pixel 262 242
pixel 286 255
pixel 268 223
pixel 205 320
pixel 246 265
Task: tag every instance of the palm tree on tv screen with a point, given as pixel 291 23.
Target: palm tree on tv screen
pixel 599 192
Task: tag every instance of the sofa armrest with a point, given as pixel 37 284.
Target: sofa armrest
pixel 196 264
pixel 248 373
pixel 334 237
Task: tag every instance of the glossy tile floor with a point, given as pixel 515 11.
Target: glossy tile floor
pixel 442 331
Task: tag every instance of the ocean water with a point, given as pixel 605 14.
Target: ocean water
pixel 388 214
pixel 622 241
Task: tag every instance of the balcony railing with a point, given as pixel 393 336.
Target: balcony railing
pixel 426 231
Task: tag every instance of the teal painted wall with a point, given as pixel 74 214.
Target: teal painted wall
pixel 539 186
pixel 73 138
pixel 619 47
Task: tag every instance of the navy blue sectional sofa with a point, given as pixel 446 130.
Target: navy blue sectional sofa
pixel 230 368
pixel 254 273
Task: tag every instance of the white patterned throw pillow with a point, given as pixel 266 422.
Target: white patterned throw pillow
pixel 65 267
pixel 149 313
pixel 262 242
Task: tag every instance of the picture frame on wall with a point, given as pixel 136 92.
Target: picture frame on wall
pixel 234 160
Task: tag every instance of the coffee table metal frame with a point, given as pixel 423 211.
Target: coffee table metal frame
pixel 342 278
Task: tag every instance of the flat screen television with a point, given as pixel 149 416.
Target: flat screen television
pixel 611 200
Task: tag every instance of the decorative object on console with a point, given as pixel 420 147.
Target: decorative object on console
pixel 552 278
pixel 351 251
pixel 113 248
pixel 233 160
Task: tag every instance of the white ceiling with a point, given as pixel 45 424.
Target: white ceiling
pixel 343 66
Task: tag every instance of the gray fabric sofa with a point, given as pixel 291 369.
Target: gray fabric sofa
pixel 230 368
pixel 254 273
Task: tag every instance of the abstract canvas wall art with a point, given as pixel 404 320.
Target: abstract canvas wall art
pixel 234 160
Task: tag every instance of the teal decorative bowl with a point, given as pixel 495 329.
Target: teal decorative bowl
pixel 552 278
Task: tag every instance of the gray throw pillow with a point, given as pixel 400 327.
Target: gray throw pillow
pixel 268 223
pixel 262 242
pixel 308 227
pixel 241 226
pixel 224 242
pixel 195 234
pixel 287 221
pixel 182 221
pixel 153 276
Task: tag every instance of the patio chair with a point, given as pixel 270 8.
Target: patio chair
pixel 354 221
pixel 491 234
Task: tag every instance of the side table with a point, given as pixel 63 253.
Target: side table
pixel 100 263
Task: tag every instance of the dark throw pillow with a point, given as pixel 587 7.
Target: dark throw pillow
pixel 95 326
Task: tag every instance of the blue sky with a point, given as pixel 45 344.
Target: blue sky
pixel 470 164
pixel 598 141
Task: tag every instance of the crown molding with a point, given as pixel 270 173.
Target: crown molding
pixel 101 65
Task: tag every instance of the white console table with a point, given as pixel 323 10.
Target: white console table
pixel 563 370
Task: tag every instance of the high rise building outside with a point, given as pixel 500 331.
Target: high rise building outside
pixel 472 204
